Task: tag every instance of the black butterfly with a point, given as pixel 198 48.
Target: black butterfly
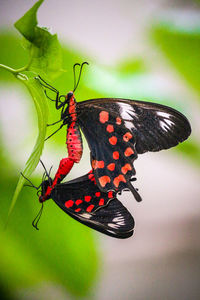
pixel 117 130
pixel 82 200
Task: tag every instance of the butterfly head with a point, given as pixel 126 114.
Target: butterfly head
pixel 69 96
pixel 70 99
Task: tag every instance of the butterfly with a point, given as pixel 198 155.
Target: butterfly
pixel 82 200
pixel 117 131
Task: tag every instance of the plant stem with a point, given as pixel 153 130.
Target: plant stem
pixel 9 69
pixel 15 72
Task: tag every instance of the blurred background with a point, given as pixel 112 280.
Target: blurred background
pixel 148 50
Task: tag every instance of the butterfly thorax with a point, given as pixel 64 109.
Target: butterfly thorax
pixel 46 184
pixel 74 139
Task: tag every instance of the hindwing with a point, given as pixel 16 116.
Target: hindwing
pixel 82 200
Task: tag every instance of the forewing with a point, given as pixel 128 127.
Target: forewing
pixel 82 200
pixel 112 148
pixel 154 126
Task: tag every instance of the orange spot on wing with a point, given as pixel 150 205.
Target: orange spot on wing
pixel 113 140
pixel 103 116
pixel 79 201
pixel 69 203
pixel 127 136
pixel 117 180
pixel 97 164
pixel 126 168
pixel 90 208
pixel 111 167
pixel 129 151
pixel 118 121
pixel 88 198
pixel 101 201
pixel 104 180
pixel 116 155
pixel 110 128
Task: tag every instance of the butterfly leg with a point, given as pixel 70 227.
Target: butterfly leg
pixel 46 85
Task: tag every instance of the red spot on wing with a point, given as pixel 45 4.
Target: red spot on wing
pixel 97 164
pixel 104 180
pixel 110 128
pixel 69 203
pixel 113 140
pixel 103 116
pixel 78 209
pixel 79 201
pixel 90 208
pixel 116 155
pixel 111 167
pixel 118 121
pixel 110 194
pixel 117 180
pixel 87 198
pixel 128 152
pixel 90 176
pixel 93 179
pixel 101 201
pixel 126 168
pixel 127 136
pixel 97 194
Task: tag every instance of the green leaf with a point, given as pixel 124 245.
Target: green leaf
pixel 45 59
pixel 45 50
pixel 41 105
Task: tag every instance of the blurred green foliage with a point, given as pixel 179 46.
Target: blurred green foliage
pixel 64 251
pixel 182 48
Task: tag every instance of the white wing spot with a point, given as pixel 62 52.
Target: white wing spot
pixel 166 124
pixel 163 114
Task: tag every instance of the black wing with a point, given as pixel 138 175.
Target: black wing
pixel 154 126
pixel 82 200
pixel 118 129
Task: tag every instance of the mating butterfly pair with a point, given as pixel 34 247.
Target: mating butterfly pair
pixel 117 130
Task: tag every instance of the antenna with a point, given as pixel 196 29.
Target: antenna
pixel 79 77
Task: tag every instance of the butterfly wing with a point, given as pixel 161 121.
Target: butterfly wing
pixel 154 126
pixel 82 200
pixel 118 129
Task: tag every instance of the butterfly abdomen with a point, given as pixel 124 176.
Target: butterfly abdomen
pixel 74 139
pixel 74 142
